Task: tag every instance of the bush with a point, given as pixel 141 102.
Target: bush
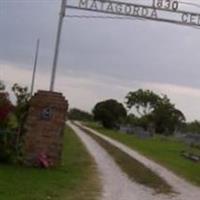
pixel 110 113
pixel 80 115
pixel 5 108
pixel 7 138
pixel 12 122
pixel 8 147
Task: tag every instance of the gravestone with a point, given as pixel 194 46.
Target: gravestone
pixel 126 129
pixel 192 138
pixel 142 133
pixel 43 140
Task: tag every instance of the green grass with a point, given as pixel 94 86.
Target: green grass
pixel 134 169
pixel 162 150
pixel 76 179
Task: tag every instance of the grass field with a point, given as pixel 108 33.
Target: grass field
pixel 162 150
pixel 76 179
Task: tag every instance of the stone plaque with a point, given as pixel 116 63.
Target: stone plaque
pixel 44 129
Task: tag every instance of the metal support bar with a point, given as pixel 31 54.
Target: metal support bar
pixel 35 66
pixel 56 53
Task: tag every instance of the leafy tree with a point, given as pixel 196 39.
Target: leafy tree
pixel 2 86
pixel 144 121
pixel 155 110
pixel 21 110
pixel 143 100
pixel 166 117
pixel 21 93
pixel 22 100
pixel 110 113
pixel 80 115
pixel 131 119
pixel 193 127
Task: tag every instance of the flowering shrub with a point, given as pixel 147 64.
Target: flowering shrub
pixel 4 112
pixel 7 135
pixel 12 120
pixel 5 107
pixel 44 161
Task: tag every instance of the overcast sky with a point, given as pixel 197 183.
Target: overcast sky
pixel 100 58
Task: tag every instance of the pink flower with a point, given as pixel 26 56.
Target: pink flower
pixel 44 161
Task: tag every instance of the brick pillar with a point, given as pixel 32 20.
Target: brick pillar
pixel 44 128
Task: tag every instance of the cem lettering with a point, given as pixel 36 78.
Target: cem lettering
pixel 118 8
pixel 193 19
pixel 128 9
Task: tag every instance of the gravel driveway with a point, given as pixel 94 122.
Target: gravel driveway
pixel 117 186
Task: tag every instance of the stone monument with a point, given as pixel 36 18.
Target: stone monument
pixel 44 129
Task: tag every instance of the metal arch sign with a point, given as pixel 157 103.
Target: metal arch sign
pixel 159 10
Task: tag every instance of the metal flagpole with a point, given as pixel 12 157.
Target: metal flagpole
pixel 35 66
pixel 55 60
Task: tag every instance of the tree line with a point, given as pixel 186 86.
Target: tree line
pixel 141 108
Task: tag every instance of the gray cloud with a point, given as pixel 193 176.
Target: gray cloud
pixel 124 50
